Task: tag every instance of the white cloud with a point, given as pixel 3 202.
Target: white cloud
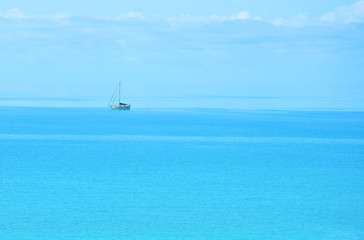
pixel 340 15
pixel 298 21
pixel 17 14
pixel 61 16
pixel 186 18
pixel 14 13
pixel 301 20
pixel 328 17
pixel 258 18
pixel 346 14
pixel 130 15
pixel 279 21
pixel 242 16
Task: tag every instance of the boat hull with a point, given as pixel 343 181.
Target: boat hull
pixel 120 107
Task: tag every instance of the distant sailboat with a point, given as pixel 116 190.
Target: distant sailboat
pixel 119 105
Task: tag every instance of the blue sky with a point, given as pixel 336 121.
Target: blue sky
pixel 293 54
pixel 272 8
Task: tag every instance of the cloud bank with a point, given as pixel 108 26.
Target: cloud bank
pixel 340 16
pixel 346 14
pixel 17 14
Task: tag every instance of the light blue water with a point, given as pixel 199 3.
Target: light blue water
pixel 180 174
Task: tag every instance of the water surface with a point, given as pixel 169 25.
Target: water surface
pixel 180 174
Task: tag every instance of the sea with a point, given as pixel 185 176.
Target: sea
pixel 179 173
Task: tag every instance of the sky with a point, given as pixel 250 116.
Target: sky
pixel 236 53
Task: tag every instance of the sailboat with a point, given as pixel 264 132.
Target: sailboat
pixel 119 105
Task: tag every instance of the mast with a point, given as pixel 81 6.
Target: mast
pixel 119 92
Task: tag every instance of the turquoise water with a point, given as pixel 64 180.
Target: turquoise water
pixel 180 174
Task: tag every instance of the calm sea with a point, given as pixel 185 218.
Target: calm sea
pixel 180 174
